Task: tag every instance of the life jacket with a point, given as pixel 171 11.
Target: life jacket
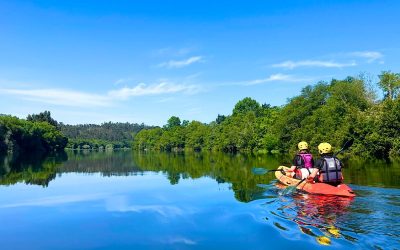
pixel 307 159
pixel 331 170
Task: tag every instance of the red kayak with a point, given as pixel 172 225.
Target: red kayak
pixel 314 188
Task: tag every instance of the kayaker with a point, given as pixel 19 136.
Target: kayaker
pixel 328 168
pixel 303 162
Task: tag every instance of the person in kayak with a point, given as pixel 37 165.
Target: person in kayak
pixel 303 162
pixel 328 168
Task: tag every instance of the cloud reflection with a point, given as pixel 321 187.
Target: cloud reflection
pixel 56 200
pixel 120 204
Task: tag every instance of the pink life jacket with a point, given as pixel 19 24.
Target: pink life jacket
pixel 307 159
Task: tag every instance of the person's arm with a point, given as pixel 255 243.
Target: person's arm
pixel 315 171
pixel 297 161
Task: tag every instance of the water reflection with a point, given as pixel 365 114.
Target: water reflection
pixel 194 192
pixel 34 169
pixel 369 220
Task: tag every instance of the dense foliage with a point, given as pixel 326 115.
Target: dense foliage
pixel 105 136
pixel 20 136
pixel 332 112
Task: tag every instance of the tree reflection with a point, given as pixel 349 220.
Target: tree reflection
pixel 34 169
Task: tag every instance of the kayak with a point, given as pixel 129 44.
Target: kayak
pixel 314 188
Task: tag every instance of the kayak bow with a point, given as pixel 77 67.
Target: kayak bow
pixel 314 188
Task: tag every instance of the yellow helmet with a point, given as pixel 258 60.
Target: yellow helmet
pixel 302 145
pixel 324 148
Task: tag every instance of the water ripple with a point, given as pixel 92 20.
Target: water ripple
pixel 360 222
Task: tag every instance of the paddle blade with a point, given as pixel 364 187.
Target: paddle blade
pixel 259 171
pixel 348 144
pixel 289 190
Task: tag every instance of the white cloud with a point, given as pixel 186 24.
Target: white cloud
pixel 60 97
pixel 371 56
pixel 181 63
pixel 180 240
pixel 155 89
pixel 73 98
pixel 168 51
pixel 313 63
pixel 277 77
pixel 122 80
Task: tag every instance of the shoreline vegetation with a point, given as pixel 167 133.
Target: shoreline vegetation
pixel 330 112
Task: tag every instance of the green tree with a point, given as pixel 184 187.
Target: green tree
pixel 247 105
pixel 390 84
pixel 173 121
pixel 220 118
pixel 43 117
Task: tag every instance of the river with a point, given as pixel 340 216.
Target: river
pixel 131 200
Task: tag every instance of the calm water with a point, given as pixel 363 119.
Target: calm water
pixel 125 200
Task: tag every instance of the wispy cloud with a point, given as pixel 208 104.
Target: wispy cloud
pixel 371 56
pixel 313 63
pixel 181 63
pixel 60 97
pixel 277 77
pixel 122 80
pixel 168 51
pixel 180 240
pixel 154 89
pixel 63 97
pixel 271 78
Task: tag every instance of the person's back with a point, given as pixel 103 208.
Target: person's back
pixel 303 162
pixel 329 167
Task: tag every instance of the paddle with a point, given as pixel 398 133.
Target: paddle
pixel 291 189
pixel 261 171
pixel 345 146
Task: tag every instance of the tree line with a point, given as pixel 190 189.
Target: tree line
pixel 331 112
pixel 41 133
pixel 35 134
pixel 108 135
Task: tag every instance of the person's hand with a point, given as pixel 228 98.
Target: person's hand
pixel 310 179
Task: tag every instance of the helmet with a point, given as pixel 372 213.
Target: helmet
pixel 302 145
pixel 324 148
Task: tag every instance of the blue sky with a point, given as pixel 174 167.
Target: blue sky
pixel 144 61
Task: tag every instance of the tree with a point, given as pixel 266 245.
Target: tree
pixel 247 105
pixel 43 117
pixel 173 121
pixel 390 84
pixel 220 118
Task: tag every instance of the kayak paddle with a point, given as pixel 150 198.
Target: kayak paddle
pixel 261 171
pixel 291 189
pixel 346 145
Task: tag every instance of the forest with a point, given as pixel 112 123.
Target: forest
pixel 37 134
pixel 108 135
pixel 333 112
